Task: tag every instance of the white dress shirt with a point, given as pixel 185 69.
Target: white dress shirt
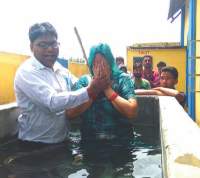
pixel 43 94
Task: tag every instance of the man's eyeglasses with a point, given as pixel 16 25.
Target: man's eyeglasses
pixel 47 45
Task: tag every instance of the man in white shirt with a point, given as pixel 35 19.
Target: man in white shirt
pixel 43 90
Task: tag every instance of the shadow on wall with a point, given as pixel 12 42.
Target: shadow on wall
pixel 148 111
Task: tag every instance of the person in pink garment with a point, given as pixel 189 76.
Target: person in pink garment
pixel 149 74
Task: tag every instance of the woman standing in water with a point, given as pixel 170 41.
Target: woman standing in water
pixel 105 118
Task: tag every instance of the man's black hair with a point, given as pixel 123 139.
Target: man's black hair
pixel 171 70
pixel 119 58
pixel 39 29
pixel 123 68
pixel 149 56
pixel 137 64
pixel 161 64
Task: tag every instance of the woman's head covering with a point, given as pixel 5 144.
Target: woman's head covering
pixel 105 50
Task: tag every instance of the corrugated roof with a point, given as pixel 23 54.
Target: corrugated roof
pixel 158 45
pixel 175 7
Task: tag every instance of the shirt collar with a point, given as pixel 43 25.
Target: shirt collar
pixel 57 66
pixel 39 65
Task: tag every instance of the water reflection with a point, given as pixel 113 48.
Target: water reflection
pixel 92 160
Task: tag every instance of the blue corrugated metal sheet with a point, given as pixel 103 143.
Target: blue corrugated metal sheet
pixel 191 59
pixel 175 6
pixel 182 25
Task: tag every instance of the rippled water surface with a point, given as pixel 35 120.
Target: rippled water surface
pixel 143 160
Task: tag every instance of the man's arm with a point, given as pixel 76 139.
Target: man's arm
pixel 44 95
pixel 75 112
pixel 167 91
pixel 148 92
pixel 95 87
pixel 161 91
pixel 172 92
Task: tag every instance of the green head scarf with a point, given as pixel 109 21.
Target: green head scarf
pixel 105 50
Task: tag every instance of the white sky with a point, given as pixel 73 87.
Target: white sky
pixel 119 23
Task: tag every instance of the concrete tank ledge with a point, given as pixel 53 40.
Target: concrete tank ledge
pixel 8 119
pixel 8 106
pixel 180 140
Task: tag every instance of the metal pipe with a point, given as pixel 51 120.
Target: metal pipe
pixel 81 44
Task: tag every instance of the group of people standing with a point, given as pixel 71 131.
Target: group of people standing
pixel 160 82
pixel 49 95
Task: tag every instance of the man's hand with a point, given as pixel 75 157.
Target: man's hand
pixel 96 86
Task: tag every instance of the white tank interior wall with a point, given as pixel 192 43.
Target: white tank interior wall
pixel 180 140
pixel 8 119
